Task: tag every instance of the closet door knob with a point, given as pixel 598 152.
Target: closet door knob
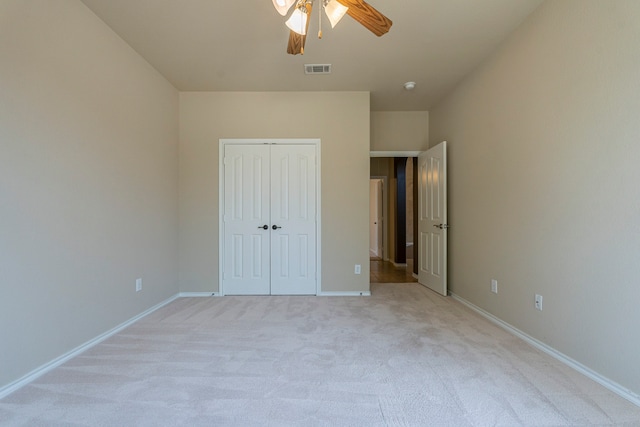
pixel 275 227
pixel 264 227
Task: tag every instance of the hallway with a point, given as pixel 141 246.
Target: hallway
pixel 386 272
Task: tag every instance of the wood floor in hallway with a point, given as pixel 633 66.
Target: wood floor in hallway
pixel 386 272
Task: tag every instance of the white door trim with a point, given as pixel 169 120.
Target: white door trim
pixel 268 141
pixel 394 153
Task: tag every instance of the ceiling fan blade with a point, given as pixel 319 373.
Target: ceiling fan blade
pixel 296 41
pixel 368 16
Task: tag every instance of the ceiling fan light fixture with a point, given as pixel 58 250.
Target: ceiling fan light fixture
pixel 283 6
pixel 297 22
pixel 335 11
pixel 359 10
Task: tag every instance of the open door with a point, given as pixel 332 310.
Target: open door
pixel 432 218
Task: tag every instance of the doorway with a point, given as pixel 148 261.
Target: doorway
pixel 395 263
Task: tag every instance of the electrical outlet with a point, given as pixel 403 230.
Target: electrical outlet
pixel 494 286
pixel 138 285
pixel 358 269
pixel 538 302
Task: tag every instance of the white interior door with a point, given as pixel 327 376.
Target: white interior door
pixel 432 218
pixel 375 217
pixel 247 227
pixel 293 219
pixel 270 218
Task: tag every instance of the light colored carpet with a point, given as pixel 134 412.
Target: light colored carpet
pixel 402 357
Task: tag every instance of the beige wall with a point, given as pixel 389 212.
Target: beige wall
pixel 544 194
pixel 340 120
pixel 380 166
pixel 399 130
pixel 88 182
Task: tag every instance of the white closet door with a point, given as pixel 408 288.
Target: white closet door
pixel 293 214
pixel 246 269
pixel 269 223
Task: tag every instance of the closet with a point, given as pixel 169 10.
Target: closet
pixel 269 212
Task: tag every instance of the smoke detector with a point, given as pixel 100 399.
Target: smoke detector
pixel 410 85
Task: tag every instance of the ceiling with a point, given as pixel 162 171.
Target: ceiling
pixel 240 45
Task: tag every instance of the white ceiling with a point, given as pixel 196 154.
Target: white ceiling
pixel 435 43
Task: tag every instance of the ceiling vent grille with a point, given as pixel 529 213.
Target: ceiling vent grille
pixel 317 68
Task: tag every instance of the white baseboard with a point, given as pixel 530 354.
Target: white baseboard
pixel 198 294
pixel 604 381
pixel 38 372
pixel 345 294
pixel 395 264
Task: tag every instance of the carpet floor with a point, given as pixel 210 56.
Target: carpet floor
pixel 402 357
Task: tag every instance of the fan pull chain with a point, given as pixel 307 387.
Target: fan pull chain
pixel 302 29
pixel 320 19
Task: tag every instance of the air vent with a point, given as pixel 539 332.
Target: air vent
pixel 317 68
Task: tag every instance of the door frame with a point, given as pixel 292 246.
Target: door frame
pixel 221 182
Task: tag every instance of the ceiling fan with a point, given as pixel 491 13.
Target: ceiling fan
pixel 298 22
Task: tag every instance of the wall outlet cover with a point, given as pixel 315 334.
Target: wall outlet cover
pixel 538 302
